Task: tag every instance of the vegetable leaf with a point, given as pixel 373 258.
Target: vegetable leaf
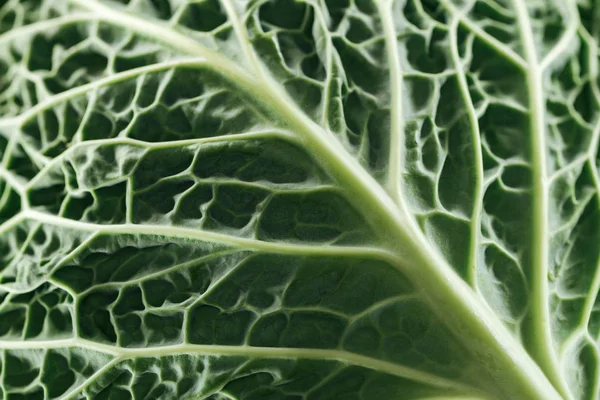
pixel 299 199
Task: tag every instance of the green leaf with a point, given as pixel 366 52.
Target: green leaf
pixel 299 199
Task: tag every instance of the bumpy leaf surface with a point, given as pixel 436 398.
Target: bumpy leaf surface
pixel 299 199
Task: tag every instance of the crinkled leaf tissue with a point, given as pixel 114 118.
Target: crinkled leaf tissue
pixel 299 199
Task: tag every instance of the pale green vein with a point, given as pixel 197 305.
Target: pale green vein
pixel 271 134
pixel 475 222
pixel 300 188
pixel 196 234
pixel 160 31
pixel 577 212
pixel 215 284
pixel 3 361
pixel 329 56
pixel 563 48
pixel 8 175
pixel 63 287
pixel 574 167
pixel 383 303
pixel 576 336
pixel 11 223
pixel 15 261
pixel 5 195
pixel 396 154
pixel 46 26
pixel 250 135
pixel 567 43
pixel 230 376
pixel 13 180
pixel 540 339
pixel 240 32
pixel 494 43
pixel 166 271
pixel 72 394
pixel 226 395
pixel 129 194
pixel 324 380
pixel 73 294
pixel 7 287
pixel 99 83
pixel 248 351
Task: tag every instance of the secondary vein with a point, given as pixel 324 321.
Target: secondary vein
pixel 475 222
pixel 541 339
pixel 196 234
pixel 396 152
pixel 249 351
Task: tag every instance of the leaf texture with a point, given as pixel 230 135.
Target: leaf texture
pixel 299 199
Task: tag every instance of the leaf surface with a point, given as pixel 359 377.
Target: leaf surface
pixel 299 199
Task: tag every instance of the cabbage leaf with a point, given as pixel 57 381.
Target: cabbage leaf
pixel 299 199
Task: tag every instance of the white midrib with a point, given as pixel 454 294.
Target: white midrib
pixel 515 372
pixel 541 339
